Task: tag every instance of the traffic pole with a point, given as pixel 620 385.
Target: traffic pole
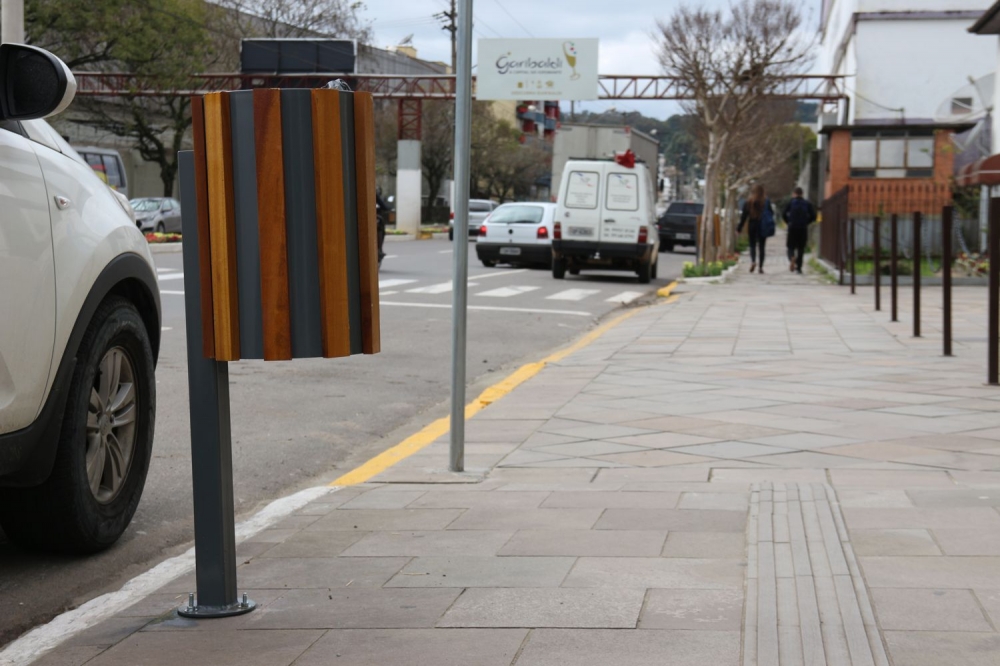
pixel 12 21
pixel 460 296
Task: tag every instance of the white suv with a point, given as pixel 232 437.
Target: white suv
pixel 79 327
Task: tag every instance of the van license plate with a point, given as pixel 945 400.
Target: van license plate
pixel 580 231
pixel 510 250
pixel 683 236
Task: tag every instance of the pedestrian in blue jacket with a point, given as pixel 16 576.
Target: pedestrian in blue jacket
pixel 798 214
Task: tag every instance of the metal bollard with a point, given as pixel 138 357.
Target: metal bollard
pixel 946 230
pixel 993 341
pixel 916 274
pixel 894 265
pixel 850 239
pixel 876 261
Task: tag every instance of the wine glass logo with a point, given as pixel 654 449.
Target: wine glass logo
pixel 569 48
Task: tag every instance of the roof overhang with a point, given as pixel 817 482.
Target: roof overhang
pixel 985 171
pixel 955 127
pixel 988 23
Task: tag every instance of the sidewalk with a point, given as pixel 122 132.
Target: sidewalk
pixel 761 473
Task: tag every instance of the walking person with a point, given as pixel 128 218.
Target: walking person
pixel 798 214
pixel 759 218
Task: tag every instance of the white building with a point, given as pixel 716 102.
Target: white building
pixel 905 64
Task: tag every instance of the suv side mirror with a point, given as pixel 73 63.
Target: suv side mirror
pixel 33 83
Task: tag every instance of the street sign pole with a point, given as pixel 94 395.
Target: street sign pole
pixel 463 149
pixel 12 20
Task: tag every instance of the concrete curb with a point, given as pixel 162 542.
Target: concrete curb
pixel 399 238
pixel 718 279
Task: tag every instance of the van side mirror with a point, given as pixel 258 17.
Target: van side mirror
pixel 33 83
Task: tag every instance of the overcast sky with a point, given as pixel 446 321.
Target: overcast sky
pixel 623 27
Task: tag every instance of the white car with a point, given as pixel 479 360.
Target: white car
pixel 79 327
pixel 605 219
pixel 517 233
pixel 479 210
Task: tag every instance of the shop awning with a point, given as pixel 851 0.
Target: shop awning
pixel 985 171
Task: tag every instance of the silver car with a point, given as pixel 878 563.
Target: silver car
pixel 479 210
pixel 159 214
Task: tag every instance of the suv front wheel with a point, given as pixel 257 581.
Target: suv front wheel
pixel 105 443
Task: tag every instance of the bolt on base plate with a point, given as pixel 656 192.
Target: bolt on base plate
pixel 193 610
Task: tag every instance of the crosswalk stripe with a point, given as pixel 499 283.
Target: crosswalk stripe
pixel 431 289
pixel 573 294
pixel 491 308
pixel 393 283
pixel 624 297
pixel 505 292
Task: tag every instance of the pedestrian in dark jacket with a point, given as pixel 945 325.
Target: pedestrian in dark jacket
pixel 798 214
pixel 753 214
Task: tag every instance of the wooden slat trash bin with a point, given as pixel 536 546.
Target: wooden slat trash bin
pixel 280 263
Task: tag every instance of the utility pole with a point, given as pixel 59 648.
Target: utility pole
pixel 12 20
pixel 450 20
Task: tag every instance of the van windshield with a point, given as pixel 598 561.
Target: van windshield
pixel 518 214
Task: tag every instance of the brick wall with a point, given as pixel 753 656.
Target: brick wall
pixel 891 195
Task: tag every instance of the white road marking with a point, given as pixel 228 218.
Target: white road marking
pixel 172 293
pixel 507 292
pixel 444 251
pixel 492 274
pixel 390 256
pixel 573 294
pixel 393 283
pixel 444 287
pixel 387 293
pixel 491 308
pixel 172 276
pixel 36 642
pixel 624 297
pixel 432 289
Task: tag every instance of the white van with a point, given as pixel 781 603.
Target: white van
pixel 605 219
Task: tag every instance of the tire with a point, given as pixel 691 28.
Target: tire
pixel 559 268
pixel 451 234
pixel 160 228
pixel 489 263
pixel 574 271
pixel 645 272
pixel 65 514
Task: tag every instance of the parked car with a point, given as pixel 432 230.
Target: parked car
pixel 160 214
pixel 107 164
pixel 679 224
pixel 79 329
pixel 479 210
pixel 517 233
pixel 605 219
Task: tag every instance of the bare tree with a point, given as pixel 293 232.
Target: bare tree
pixel 298 18
pixel 729 63
pixel 437 144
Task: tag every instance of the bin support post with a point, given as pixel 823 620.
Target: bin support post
pixel 211 440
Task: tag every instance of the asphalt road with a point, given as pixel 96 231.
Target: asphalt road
pixel 299 423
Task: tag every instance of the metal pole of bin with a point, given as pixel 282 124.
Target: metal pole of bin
pixel 894 265
pixel 916 275
pixel 946 227
pixel 993 341
pixel 463 149
pixel 877 261
pixel 211 440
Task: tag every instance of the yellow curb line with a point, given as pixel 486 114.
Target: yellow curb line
pixel 664 292
pixel 435 429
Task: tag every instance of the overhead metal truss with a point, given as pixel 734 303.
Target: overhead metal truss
pixel 387 86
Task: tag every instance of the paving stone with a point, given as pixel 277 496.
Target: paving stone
pixel 483 572
pixel 386 519
pixel 652 458
pixel 441 542
pixel 643 572
pixel 936 648
pixel 595 543
pixel 108 632
pixel 937 572
pixel 731 450
pixel 555 608
pixel 494 518
pixel 954 497
pixel 733 431
pixel 968 541
pixel 639 475
pixel 680 520
pixel 558 647
pixel 664 440
pixel 317 572
pixel 928 610
pixel 675 424
pixel 770 474
pixel 68 656
pixel 990 600
pixel 802 440
pixel 973 517
pixel 891 498
pixel 461 499
pixel 721 501
pixel 615 499
pixel 893 542
pixel 314 544
pixel 383 499
pixel 227 648
pixel 415 647
pixel 702 610
pixel 588 448
pixel 705 544
pixel 348 608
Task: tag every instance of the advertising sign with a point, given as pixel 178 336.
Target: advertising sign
pixel 537 69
